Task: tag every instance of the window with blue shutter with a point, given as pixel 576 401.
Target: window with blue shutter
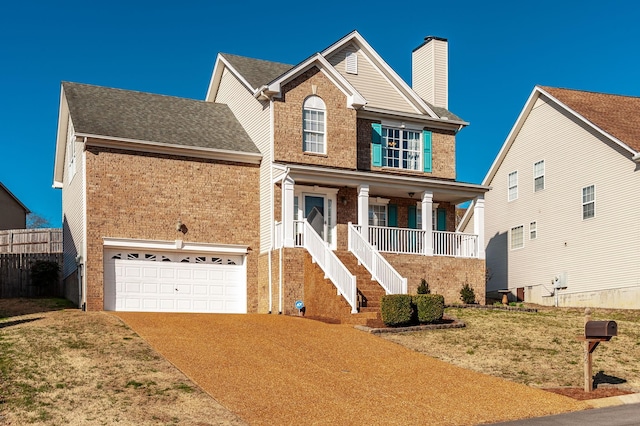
pixel 376 144
pixel 426 144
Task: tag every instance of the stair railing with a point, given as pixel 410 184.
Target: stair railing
pixel 381 270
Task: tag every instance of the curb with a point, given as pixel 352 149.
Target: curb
pixel 612 401
pixel 455 324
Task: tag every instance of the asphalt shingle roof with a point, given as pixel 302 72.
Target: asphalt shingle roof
pixel 117 113
pixel 257 72
pixel 611 113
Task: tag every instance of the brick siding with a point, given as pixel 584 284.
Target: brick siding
pixel 141 196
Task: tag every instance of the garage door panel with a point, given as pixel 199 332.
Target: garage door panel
pixel 173 286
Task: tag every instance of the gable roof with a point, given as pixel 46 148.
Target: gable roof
pixel 257 72
pixel 611 113
pixel 266 77
pixel 26 210
pixel 123 114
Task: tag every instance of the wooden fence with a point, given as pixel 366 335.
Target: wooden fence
pixel 15 276
pixel 44 240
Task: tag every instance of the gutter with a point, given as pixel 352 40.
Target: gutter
pixel 636 158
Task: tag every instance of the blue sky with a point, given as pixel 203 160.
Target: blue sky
pixel 498 51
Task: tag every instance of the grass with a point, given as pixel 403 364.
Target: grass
pixel 539 349
pixel 54 360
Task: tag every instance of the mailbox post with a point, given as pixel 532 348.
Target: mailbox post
pixel 594 333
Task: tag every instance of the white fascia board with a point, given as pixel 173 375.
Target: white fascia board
pixel 216 77
pixel 636 157
pixel 176 246
pixel 354 98
pixel 354 178
pixel 375 113
pixel 171 149
pixel 589 123
pixel 386 70
pixel 61 140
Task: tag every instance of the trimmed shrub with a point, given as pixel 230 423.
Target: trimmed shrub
pixel 396 309
pixel 423 288
pixel 430 307
pixel 467 295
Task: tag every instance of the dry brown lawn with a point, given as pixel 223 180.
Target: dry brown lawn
pixel 66 367
pixel 537 349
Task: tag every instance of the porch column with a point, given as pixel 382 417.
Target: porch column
pixel 287 211
pixel 427 222
pixel 363 210
pixel 478 224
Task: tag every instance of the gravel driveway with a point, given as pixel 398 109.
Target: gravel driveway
pixel 279 370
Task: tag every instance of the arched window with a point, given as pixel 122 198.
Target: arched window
pixel 314 125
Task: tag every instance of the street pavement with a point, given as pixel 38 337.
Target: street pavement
pixel 622 415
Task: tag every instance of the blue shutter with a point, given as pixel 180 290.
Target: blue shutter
pixel 442 220
pixel 426 143
pixel 413 222
pixel 392 211
pixel 376 144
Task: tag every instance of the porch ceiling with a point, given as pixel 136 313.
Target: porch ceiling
pixel 387 185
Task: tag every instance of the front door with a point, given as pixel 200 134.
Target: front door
pixel 314 212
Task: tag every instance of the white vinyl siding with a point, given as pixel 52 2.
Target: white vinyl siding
pixel 370 82
pixel 254 116
pixel 583 249
pixel 588 202
pixel 516 237
pixel 538 176
pixel 513 186
pixel 72 206
pixel 430 68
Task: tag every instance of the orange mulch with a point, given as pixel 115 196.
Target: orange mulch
pixel 274 369
pixel 581 395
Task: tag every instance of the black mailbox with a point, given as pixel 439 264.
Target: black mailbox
pixel 600 329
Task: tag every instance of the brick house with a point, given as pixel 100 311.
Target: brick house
pixel 328 182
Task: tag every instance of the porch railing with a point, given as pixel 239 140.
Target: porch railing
pixel 455 244
pixel 333 268
pixel 411 241
pixel 298 234
pixel 379 268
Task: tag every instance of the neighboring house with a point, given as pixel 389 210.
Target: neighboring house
pixel 13 214
pixel 273 190
pixel 566 174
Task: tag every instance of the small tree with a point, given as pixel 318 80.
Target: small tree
pixel 34 220
pixel 423 288
pixel 467 295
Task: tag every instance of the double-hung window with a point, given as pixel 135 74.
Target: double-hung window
pixel 314 125
pixel 533 230
pixel 517 237
pixel 513 185
pixel 538 176
pixel 402 148
pixel 377 215
pixel 588 202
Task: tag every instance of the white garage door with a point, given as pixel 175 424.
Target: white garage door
pixel 144 281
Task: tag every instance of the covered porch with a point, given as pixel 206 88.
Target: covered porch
pixel 397 214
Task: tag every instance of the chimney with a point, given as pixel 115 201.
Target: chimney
pixel 430 71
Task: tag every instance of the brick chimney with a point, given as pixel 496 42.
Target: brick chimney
pixel 430 71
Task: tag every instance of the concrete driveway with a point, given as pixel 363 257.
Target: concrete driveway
pixel 279 370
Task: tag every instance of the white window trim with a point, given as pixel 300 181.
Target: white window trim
pixel 381 202
pixel 330 194
pixel 509 186
pixel 409 128
pixel 582 203
pixel 535 229
pixel 511 237
pixel 324 124
pixel 543 175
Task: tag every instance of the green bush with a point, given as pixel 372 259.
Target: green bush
pixel 44 275
pixel 467 295
pixel 396 309
pixel 423 288
pixel 430 307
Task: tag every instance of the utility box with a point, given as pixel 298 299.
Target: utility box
pixel 600 329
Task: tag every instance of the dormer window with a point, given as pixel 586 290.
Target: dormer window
pixel 314 125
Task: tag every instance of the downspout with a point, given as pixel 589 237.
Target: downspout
pixel 271 201
pixel 281 265
pixel 83 298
